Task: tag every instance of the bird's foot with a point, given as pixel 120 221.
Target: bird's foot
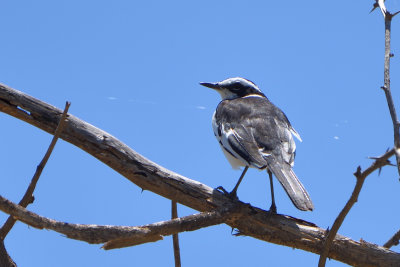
pixel 272 209
pixel 231 195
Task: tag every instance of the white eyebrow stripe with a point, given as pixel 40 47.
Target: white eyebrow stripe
pixel 253 95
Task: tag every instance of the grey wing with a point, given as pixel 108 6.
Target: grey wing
pixel 287 145
pixel 241 144
pixel 272 137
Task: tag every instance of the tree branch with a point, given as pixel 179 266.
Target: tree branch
pixel 393 241
pixel 175 237
pixel 386 87
pixel 361 176
pixel 117 236
pixel 172 227
pixel 5 259
pixel 251 221
pixel 28 196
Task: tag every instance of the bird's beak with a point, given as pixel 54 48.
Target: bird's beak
pixel 211 85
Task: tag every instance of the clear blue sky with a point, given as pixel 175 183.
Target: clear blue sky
pixel 132 69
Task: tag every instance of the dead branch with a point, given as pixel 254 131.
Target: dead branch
pixel 361 176
pixel 386 87
pixel 5 259
pixel 116 236
pixel 175 237
pixel 174 226
pixel 393 241
pixel 122 236
pixel 251 221
pixel 28 196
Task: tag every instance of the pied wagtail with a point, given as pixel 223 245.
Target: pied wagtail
pixel 255 133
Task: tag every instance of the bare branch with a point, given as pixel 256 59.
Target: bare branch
pixel 156 231
pixel 355 253
pixel 175 237
pixel 116 236
pixel 28 196
pixel 251 221
pixel 378 163
pixel 396 124
pixel 5 259
pixel 386 87
pixel 393 241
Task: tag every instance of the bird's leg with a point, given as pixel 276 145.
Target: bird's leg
pixel 233 194
pixel 273 206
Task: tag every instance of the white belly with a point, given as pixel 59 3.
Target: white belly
pixel 235 163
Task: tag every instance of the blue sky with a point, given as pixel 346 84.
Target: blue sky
pixel 132 69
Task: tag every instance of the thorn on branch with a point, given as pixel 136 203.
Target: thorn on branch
pixel 327 230
pixel 390 163
pixel 381 5
pixel 395 13
pixel 374 7
pixel 382 162
pixel 32 199
pixel 358 172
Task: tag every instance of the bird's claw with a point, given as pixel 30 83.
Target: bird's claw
pixel 222 190
pixel 231 195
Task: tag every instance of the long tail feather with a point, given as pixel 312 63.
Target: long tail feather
pixel 292 185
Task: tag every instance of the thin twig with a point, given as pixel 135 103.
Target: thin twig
pixel 393 241
pixel 378 163
pixel 175 237
pixel 396 124
pixel 28 196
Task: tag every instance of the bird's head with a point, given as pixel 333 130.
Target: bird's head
pixel 234 87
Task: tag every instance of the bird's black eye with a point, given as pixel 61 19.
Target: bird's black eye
pixel 236 86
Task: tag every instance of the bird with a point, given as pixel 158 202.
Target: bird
pixel 253 132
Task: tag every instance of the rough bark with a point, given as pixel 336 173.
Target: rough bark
pixel 251 221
